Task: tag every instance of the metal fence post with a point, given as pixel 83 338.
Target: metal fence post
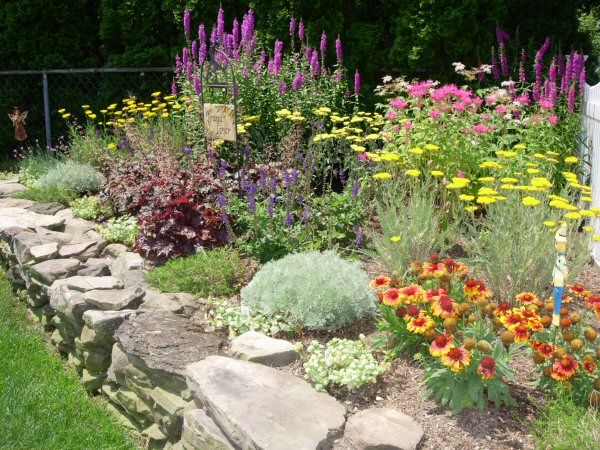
pixel 47 110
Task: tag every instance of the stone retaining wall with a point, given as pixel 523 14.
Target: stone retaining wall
pixel 162 375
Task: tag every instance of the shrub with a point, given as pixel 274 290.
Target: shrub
pixel 216 272
pixel 122 229
pixel 412 226
pixel 78 177
pixel 342 362
pixel 320 291
pixel 49 194
pixel 90 208
pixel 239 318
pixel 33 166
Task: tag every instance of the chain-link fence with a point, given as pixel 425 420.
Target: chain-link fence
pixel 42 93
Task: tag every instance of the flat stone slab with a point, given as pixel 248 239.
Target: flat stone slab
pixel 256 347
pixel 382 428
pixel 95 267
pixel 125 262
pixel 16 203
pixel 115 299
pixel 20 217
pixel 166 343
pixel 106 322
pixel 43 252
pixel 54 269
pixel 258 407
pixel 46 208
pixel 201 433
pixel 114 250
pixel 175 303
pixel 7 188
pixel 84 283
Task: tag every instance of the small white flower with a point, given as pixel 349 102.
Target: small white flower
pixel 387 79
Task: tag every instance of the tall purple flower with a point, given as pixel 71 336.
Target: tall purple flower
pixel 178 65
pixel 301 33
pixel 194 49
pixel 220 24
pixel 201 34
pixel 235 32
pixel 503 60
pixel 539 66
pixel 298 81
pixel 339 52
pixel 197 85
pixel 282 87
pixel 271 206
pixel 522 74
pixel 202 53
pixel 355 189
pixel 571 98
pixel 360 236
pixel 289 219
pixel 357 83
pixel 248 30
pixel 186 56
pixel 315 66
pixel 501 36
pixel 186 23
pixel 261 61
pixel 323 47
pixel 213 36
pixel 308 54
pixel 292 27
pixel 173 88
pixel 278 56
pixel 495 68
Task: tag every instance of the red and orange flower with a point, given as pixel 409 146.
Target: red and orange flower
pixel 589 366
pixel 441 345
pixel 433 270
pixel 521 333
pixel 475 290
pixel 543 348
pixel 527 298
pixel 433 295
pixel 420 324
pixel 579 291
pixel 487 368
pixel 564 368
pixel 380 283
pixel 444 307
pixel 457 359
pixel 391 297
pixel 412 294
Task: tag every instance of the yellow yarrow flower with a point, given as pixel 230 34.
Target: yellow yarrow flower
pixel 530 201
pixel 587 228
pixel 487 179
pixel 395 239
pixel 471 208
pixel 571 159
pixel 596 237
pixel 111 146
pixel 573 215
pixel 466 198
pixel 550 223
pixel 431 147
pixel 357 148
pixel 486 200
pixel 382 176
pixel 416 151
pixel 437 173
pixel 413 172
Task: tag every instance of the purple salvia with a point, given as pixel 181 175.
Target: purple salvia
pixel 186 23
pixel 278 57
pixel 272 183
pixel 355 189
pixel 262 180
pixel 571 98
pixel 252 203
pixel 359 236
pixel 173 88
pixel 213 37
pixel 308 54
pixel 292 27
pixel 522 74
pixel 194 50
pixel 220 24
pixel 323 47
pixel 201 34
pixel 289 219
pixel 315 66
pixel 301 34
pixel 339 52
pixel 298 81
pixel 503 61
pixel 282 87
pixel 235 32
pixel 357 83
pixel 178 65
pixel 287 179
pixel 306 212
pixel 271 206
pixel 202 53
pixel 197 85
pixel 186 57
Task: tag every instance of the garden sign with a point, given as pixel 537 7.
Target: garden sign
pixel 219 122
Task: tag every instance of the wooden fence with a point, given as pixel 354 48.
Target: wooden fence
pixel 591 147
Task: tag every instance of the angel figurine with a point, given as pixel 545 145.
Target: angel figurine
pixel 18 120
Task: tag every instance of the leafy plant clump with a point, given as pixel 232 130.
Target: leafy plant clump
pixel 239 318
pixel 320 291
pixel 49 194
pixel 122 229
pixel 77 177
pixel 343 362
pixel 207 273
pixel 90 208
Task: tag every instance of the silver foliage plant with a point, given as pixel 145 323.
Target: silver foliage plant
pixel 72 175
pixel 319 290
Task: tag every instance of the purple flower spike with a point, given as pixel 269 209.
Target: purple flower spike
pixel 298 81
pixel 301 34
pixel 186 57
pixel 323 47
pixel 357 83
pixel 289 219
pixel 186 23
pixel 235 32
pixel 201 34
pixel 194 49
pixel 197 85
pixel 220 24
pixel 292 27
pixel 173 88
pixel 359 236
pixel 339 52
pixel 315 66
pixel 282 87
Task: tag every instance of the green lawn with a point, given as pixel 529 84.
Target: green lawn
pixel 42 404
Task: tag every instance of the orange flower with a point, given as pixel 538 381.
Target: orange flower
pixel 444 307
pixel 512 319
pixel 419 325
pixel 433 295
pixel 413 311
pixel 521 333
pixel 486 368
pixel 476 290
pixel 412 294
pixel 391 297
pixel 564 368
pixel 434 270
pixel 543 348
pixel 589 366
pixel 441 345
pixel 578 291
pixel 567 298
pixel 527 297
pixel 457 359
pixel 379 283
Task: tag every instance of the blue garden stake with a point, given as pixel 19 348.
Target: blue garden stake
pixel 560 271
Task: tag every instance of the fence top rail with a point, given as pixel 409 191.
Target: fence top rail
pixel 92 70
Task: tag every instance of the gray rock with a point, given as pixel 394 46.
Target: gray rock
pixel 16 203
pixel 201 433
pixel 168 411
pixel 382 428
pixel 53 269
pixel 93 235
pixel 7 188
pixel 258 407
pixel 155 438
pixel 69 303
pixel 106 322
pixel 44 252
pixel 256 347
pixel 136 278
pixel 53 236
pixel 164 344
pixel 73 250
pixel 175 303
pixel 20 217
pixel 114 250
pixel 115 300
pixel 95 267
pixel 77 226
pixel 46 208
pixel 86 283
pixel 126 262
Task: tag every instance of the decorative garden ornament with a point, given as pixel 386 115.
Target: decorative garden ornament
pixel 18 120
pixel 560 271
